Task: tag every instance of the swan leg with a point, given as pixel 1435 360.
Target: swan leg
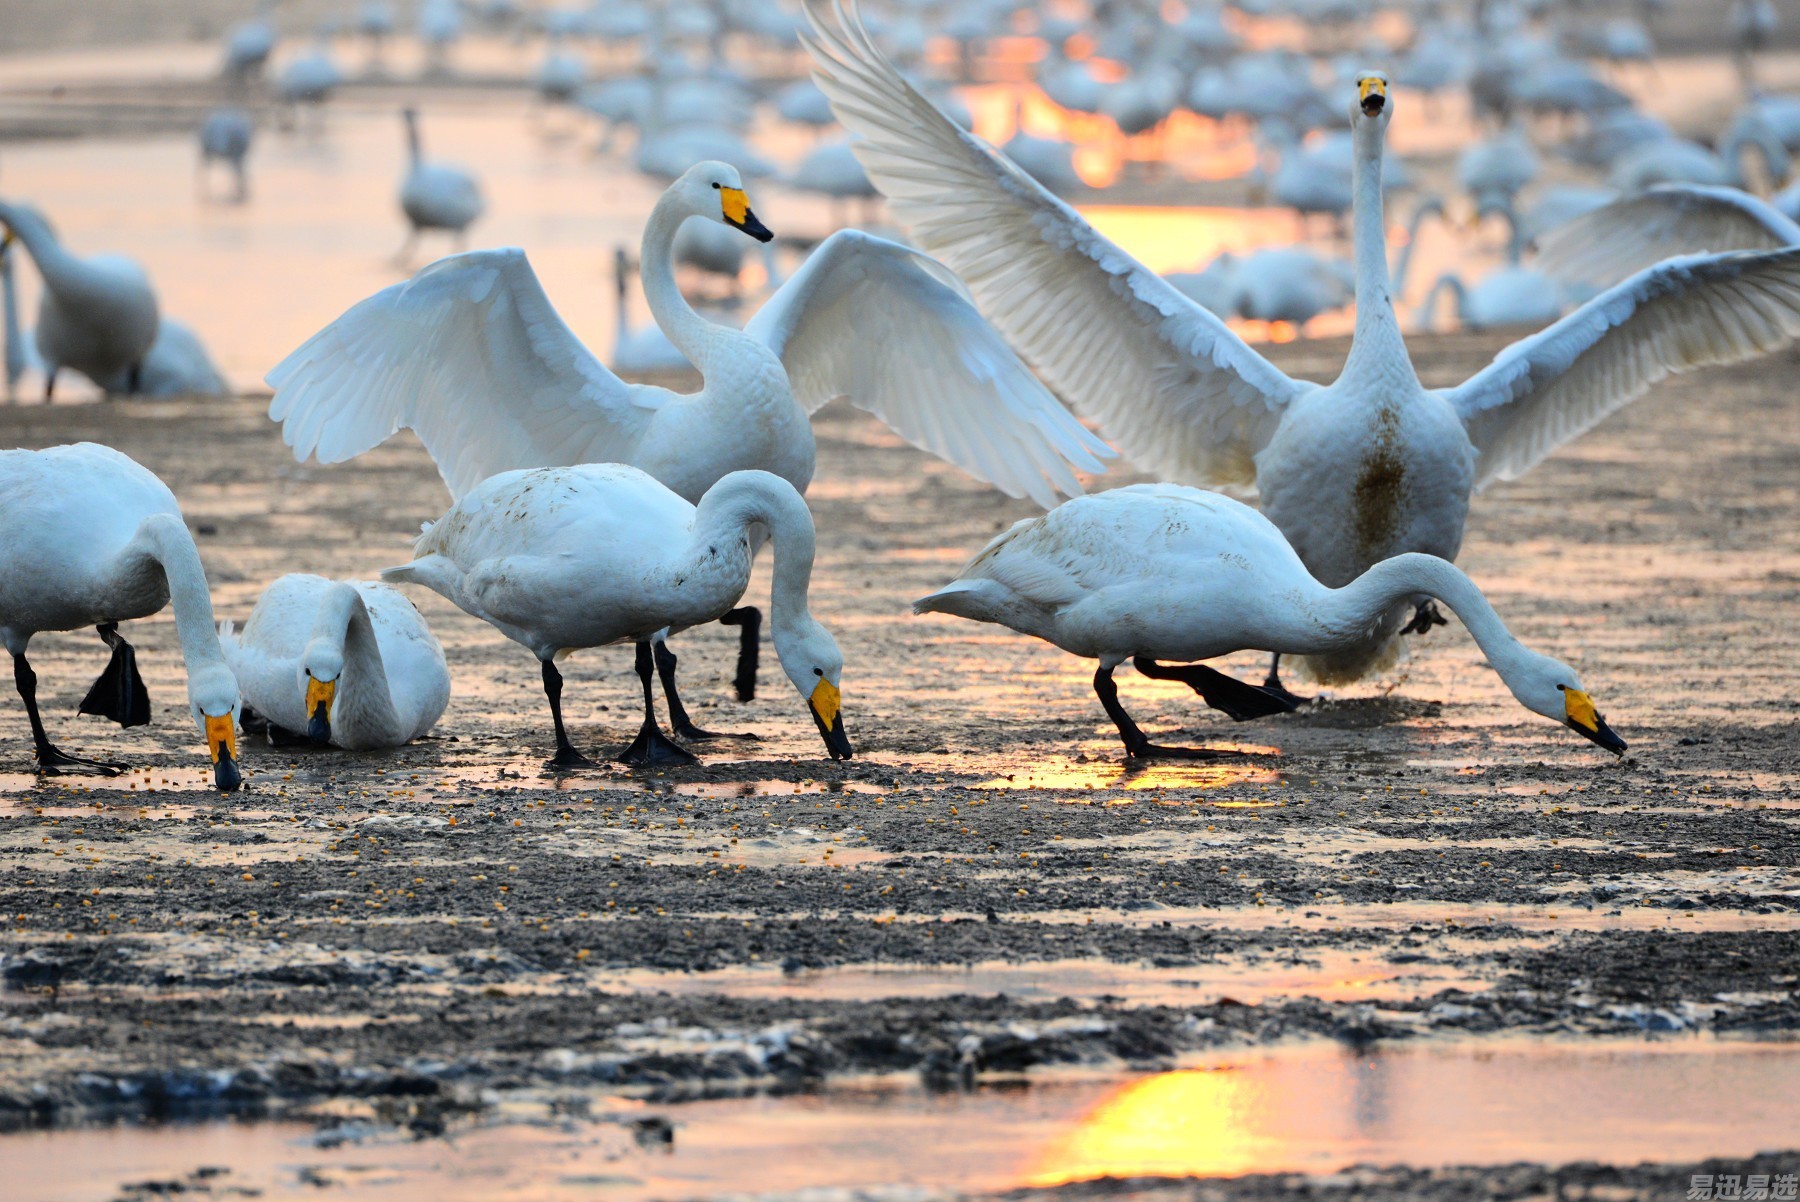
pixel 404 257
pixel 680 724
pixel 1272 684
pixel 1236 700
pixel 566 756
pixel 1424 618
pixel 119 693
pixel 49 386
pixel 50 760
pixel 748 619
pixel 1137 745
pixel 652 748
pixel 134 379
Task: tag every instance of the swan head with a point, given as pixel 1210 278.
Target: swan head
pixel 1550 687
pixel 23 220
pixel 321 665
pixel 213 701
pixel 812 661
pixel 715 191
pixel 1371 99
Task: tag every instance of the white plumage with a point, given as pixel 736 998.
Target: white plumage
pixel 1609 243
pixel 349 662
pixel 1163 572
pixel 1369 467
pixel 435 196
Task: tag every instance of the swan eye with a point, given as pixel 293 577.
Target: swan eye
pixel 715 186
pixel 818 671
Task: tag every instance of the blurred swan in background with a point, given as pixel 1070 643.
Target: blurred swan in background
pixel 434 196
pixel 225 138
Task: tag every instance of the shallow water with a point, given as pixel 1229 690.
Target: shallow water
pixel 1315 1109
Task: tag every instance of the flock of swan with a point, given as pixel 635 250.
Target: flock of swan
pixel 588 511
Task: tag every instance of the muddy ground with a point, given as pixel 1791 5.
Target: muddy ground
pixel 1415 860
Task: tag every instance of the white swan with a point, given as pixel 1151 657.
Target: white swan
pixel 1162 572
pixel 559 559
pixel 345 662
pixel 435 196
pixel 470 355
pixel 645 351
pixel 93 539
pixel 1353 473
pixel 225 137
pixel 1604 245
pixel 20 355
pixel 95 314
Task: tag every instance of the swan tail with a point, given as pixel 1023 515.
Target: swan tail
pixel 974 599
pixel 433 571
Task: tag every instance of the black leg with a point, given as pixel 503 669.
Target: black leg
pixel 1424 618
pixel 1272 684
pixel 652 748
pixel 748 619
pixel 134 379
pixel 50 761
pixel 119 694
pixel 49 386
pixel 1239 701
pixel 679 723
pixel 1137 746
pixel 566 756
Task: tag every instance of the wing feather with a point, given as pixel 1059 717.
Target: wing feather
pixel 1167 381
pixel 1686 313
pixel 470 355
pixel 1604 246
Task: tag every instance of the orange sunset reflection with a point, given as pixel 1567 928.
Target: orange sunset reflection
pixel 1203 1122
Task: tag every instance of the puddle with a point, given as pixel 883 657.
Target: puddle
pixel 1313 1109
pixel 72 790
pixel 1058 773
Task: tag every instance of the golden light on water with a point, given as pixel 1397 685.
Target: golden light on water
pixel 1191 1123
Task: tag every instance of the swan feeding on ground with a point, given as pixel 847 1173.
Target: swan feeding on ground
pixel 1352 473
pixel 345 662
pixel 471 356
pixel 92 538
pixel 562 558
pixel 1164 572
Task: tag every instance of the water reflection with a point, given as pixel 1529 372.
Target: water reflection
pixel 1106 772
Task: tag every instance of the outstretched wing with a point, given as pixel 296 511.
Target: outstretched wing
pixel 890 329
pixel 1603 246
pixel 1686 313
pixel 1169 384
pixel 470 355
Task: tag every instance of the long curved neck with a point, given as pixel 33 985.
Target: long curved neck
pixel 164 538
pixel 54 262
pixel 1377 346
pixel 622 288
pixel 750 498
pixel 691 333
pixel 414 152
pixel 342 621
pixel 1403 266
pixel 1448 282
pixel 15 336
pixel 1350 613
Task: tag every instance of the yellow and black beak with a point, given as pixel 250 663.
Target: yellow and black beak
pixel 221 740
pixel 319 696
pixel 1371 95
pixel 1586 721
pixel 829 718
pixel 734 205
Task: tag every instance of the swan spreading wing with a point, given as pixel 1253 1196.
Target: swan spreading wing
pixel 471 356
pixel 1176 390
pixel 1683 314
pixel 1614 242
pixel 890 329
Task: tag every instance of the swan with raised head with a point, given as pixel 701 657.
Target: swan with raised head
pixel 1163 572
pixel 345 662
pixel 93 539
pixel 96 314
pixel 1352 473
pixel 562 558
pixel 435 196
pixel 471 356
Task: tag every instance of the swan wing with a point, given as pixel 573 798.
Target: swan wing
pixel 1679 315
pixel 891 329
pixel 1603 246
pixel 1167 381
pixel 471 356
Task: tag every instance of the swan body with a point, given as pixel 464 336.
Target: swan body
pixel 1498 167
pixel 93 539
pixel 802 103
pixel 351 663
pixel 1163 572
pixel 559 559
pixel 225 138
pixel 435 196
pixel 1509 296
pixel 176 365
pixel 97 314
pixel 1370 466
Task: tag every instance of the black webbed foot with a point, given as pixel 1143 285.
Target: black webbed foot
pixel 52 761
pixel 653 749
pixel 1424 618
pixel 119 693
pixel 1232 697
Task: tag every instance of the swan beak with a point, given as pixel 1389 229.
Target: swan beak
pixel 319 696
pixel 736 209
pixel 1585 720
pixel 1372 95
pixel 221 739
pixel 830 720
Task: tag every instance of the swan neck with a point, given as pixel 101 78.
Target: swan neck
pixel 414 152
pixel 1403 267
pixel 1359 606
pixel 54 262
pixel 165 539
pixel 750 498
pixel 342 622
pixel 15 334
pixel 1376 344
pixel 656 269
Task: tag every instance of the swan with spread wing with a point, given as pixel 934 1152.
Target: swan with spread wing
pixel 471 356
pixel 1371 466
